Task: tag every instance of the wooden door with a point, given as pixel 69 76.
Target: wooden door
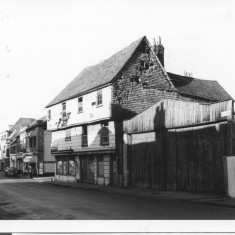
pixel 87 169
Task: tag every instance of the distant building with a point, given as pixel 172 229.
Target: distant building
pixel 11 140
pixel 36 148
pixel 5 154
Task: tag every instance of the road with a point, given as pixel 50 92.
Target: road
pixel 25 199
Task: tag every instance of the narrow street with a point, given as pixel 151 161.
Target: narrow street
pixel 27 199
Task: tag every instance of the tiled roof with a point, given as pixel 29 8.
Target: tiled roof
pixel 97 75
pixel 206 89
pixel 18 125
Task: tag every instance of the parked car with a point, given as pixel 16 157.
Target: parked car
pixel 10 171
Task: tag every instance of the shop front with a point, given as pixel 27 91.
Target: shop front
pixel 29 160
pixel 93 169
pixel 97 169
pixel 66 168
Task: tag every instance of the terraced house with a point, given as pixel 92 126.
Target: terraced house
pixel 86 117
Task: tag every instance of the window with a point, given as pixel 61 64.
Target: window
pixel 64 110
pixel 100 167
pixel 59 167
pixel 80 105
pixel 99 97
pixel 32 142
pixel 84 136
pixel 72 167
pixel 68 135
pixel 104 135
pixel 65 166
pixel 49 114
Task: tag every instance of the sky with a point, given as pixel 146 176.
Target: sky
pixel 44 44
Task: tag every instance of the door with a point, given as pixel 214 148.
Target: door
pixel 87 169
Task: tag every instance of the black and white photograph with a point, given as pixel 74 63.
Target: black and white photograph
pixel 116 110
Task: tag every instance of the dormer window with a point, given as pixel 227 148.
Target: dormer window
pixel 80 104
pixel 99 98
pixel 64 110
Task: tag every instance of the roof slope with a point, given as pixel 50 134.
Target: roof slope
pixel 206 89
pixel 18 125
pixel 97 75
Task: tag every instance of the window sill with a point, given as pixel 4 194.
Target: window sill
pixel 79 112
pixel 100 105
pixel 104 144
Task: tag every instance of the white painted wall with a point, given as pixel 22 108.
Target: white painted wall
pixel 90 113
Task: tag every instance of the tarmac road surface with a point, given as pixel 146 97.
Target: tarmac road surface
pixel 27 199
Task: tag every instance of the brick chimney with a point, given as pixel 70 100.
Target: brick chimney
pixel 159 50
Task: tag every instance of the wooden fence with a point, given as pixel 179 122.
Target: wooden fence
pixel 177 146
pixel 173 113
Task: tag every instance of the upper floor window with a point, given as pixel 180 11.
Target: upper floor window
pixel 104 136
pixel 32 142
pixel 49 114
pixel 63 110
pixel 84 136
pixel 68 135
pixel 99 98
pixel 80 104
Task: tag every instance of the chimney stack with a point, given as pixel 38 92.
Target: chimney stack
pixel 159 50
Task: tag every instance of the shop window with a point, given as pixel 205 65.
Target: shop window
pixel 99 98
pixel 65 167
pixel 84 136
pixel 59 167
pixel 104 137
pixel 80 105
pixel 68 135
pixel 100 167
pixel 71 167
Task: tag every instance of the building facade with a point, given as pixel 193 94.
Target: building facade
pixel 86 117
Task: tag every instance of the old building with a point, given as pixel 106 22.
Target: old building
pixel 13 138
pixel 35 142
pixel 86 117
pixel 5 154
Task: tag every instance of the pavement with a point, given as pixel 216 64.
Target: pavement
pixel 201 198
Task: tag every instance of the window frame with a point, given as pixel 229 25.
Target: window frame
pixel 84 136
pixel 99 98
pixel 80 104
pixel 104 133
pixel 63 113
pixel 68 134
pixel 49 114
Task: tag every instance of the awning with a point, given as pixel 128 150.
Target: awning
pixel 30 159
pixel 13 143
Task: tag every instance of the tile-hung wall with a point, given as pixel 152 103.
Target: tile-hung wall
pixel 90 111
pixel 61 140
